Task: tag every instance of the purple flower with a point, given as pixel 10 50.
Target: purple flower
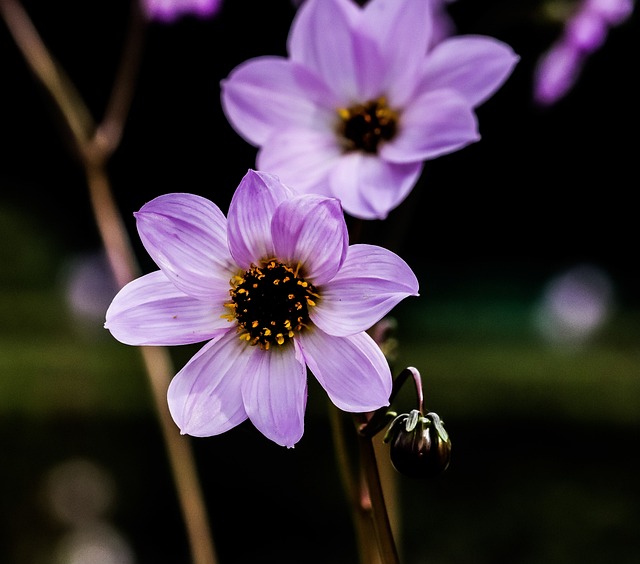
pixel 442 24
pixel 556 73
pixel 560 66
pixel 274 288
pixel 362 101
pixel 168 11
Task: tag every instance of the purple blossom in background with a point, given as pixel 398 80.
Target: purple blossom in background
pixel 586 31
pixel 443 25
pixel 274 289
pixel 362 100
pixel 168 11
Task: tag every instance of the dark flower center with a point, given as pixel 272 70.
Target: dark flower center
pixel 270 303
pixel 362 127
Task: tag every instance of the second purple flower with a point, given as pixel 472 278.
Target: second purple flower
pixel 363 100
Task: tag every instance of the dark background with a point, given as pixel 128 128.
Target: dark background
pixel 544 466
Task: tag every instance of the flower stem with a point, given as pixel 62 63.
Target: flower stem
pixel 356 491
pixel 365 493
pixel 95 144
pixel 363 487
pixel 379 514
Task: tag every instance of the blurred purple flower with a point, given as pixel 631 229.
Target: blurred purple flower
pixel 275 288
pixel 168 11
pixel 560 66
pixel 556 73
pixel 362 101
pixel 443 25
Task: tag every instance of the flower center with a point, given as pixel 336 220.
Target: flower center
pixel 270 303
pixel 362 127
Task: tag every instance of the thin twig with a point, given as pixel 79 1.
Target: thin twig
pixel 109 132
pixel 61 89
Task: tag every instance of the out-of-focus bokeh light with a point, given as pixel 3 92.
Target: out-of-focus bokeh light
pixel 89 287
pixel 97 543
pixel 80 495
pixel 575 304
pixel 79 491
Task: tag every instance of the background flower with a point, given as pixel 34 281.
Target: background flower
pixel 361 101
pixel 274 289
pixel 170 10
pixel 585 32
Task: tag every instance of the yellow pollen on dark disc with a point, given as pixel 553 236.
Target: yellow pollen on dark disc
pixel 363 127
pixel 270 303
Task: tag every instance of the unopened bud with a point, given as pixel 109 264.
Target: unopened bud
pixel 419 446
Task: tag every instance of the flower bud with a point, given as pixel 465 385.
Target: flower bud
pixel 419 446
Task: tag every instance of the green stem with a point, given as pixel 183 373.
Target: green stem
pixel 363 487
pixel 369 509
pixel 379 514
pixel 359 501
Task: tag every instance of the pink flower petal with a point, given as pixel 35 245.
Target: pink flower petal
pixel 334 60
pixel 152 311
pixel 435 124
pixel 205 397
pixel 370 283
pixel 250 214
pixel 274 390
pixel 267 94
pixel 370 187
pixel 309 231
pixel 352 370
pixel 401 54
pixel 302 158
pixel 186 235
pixel 474 66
